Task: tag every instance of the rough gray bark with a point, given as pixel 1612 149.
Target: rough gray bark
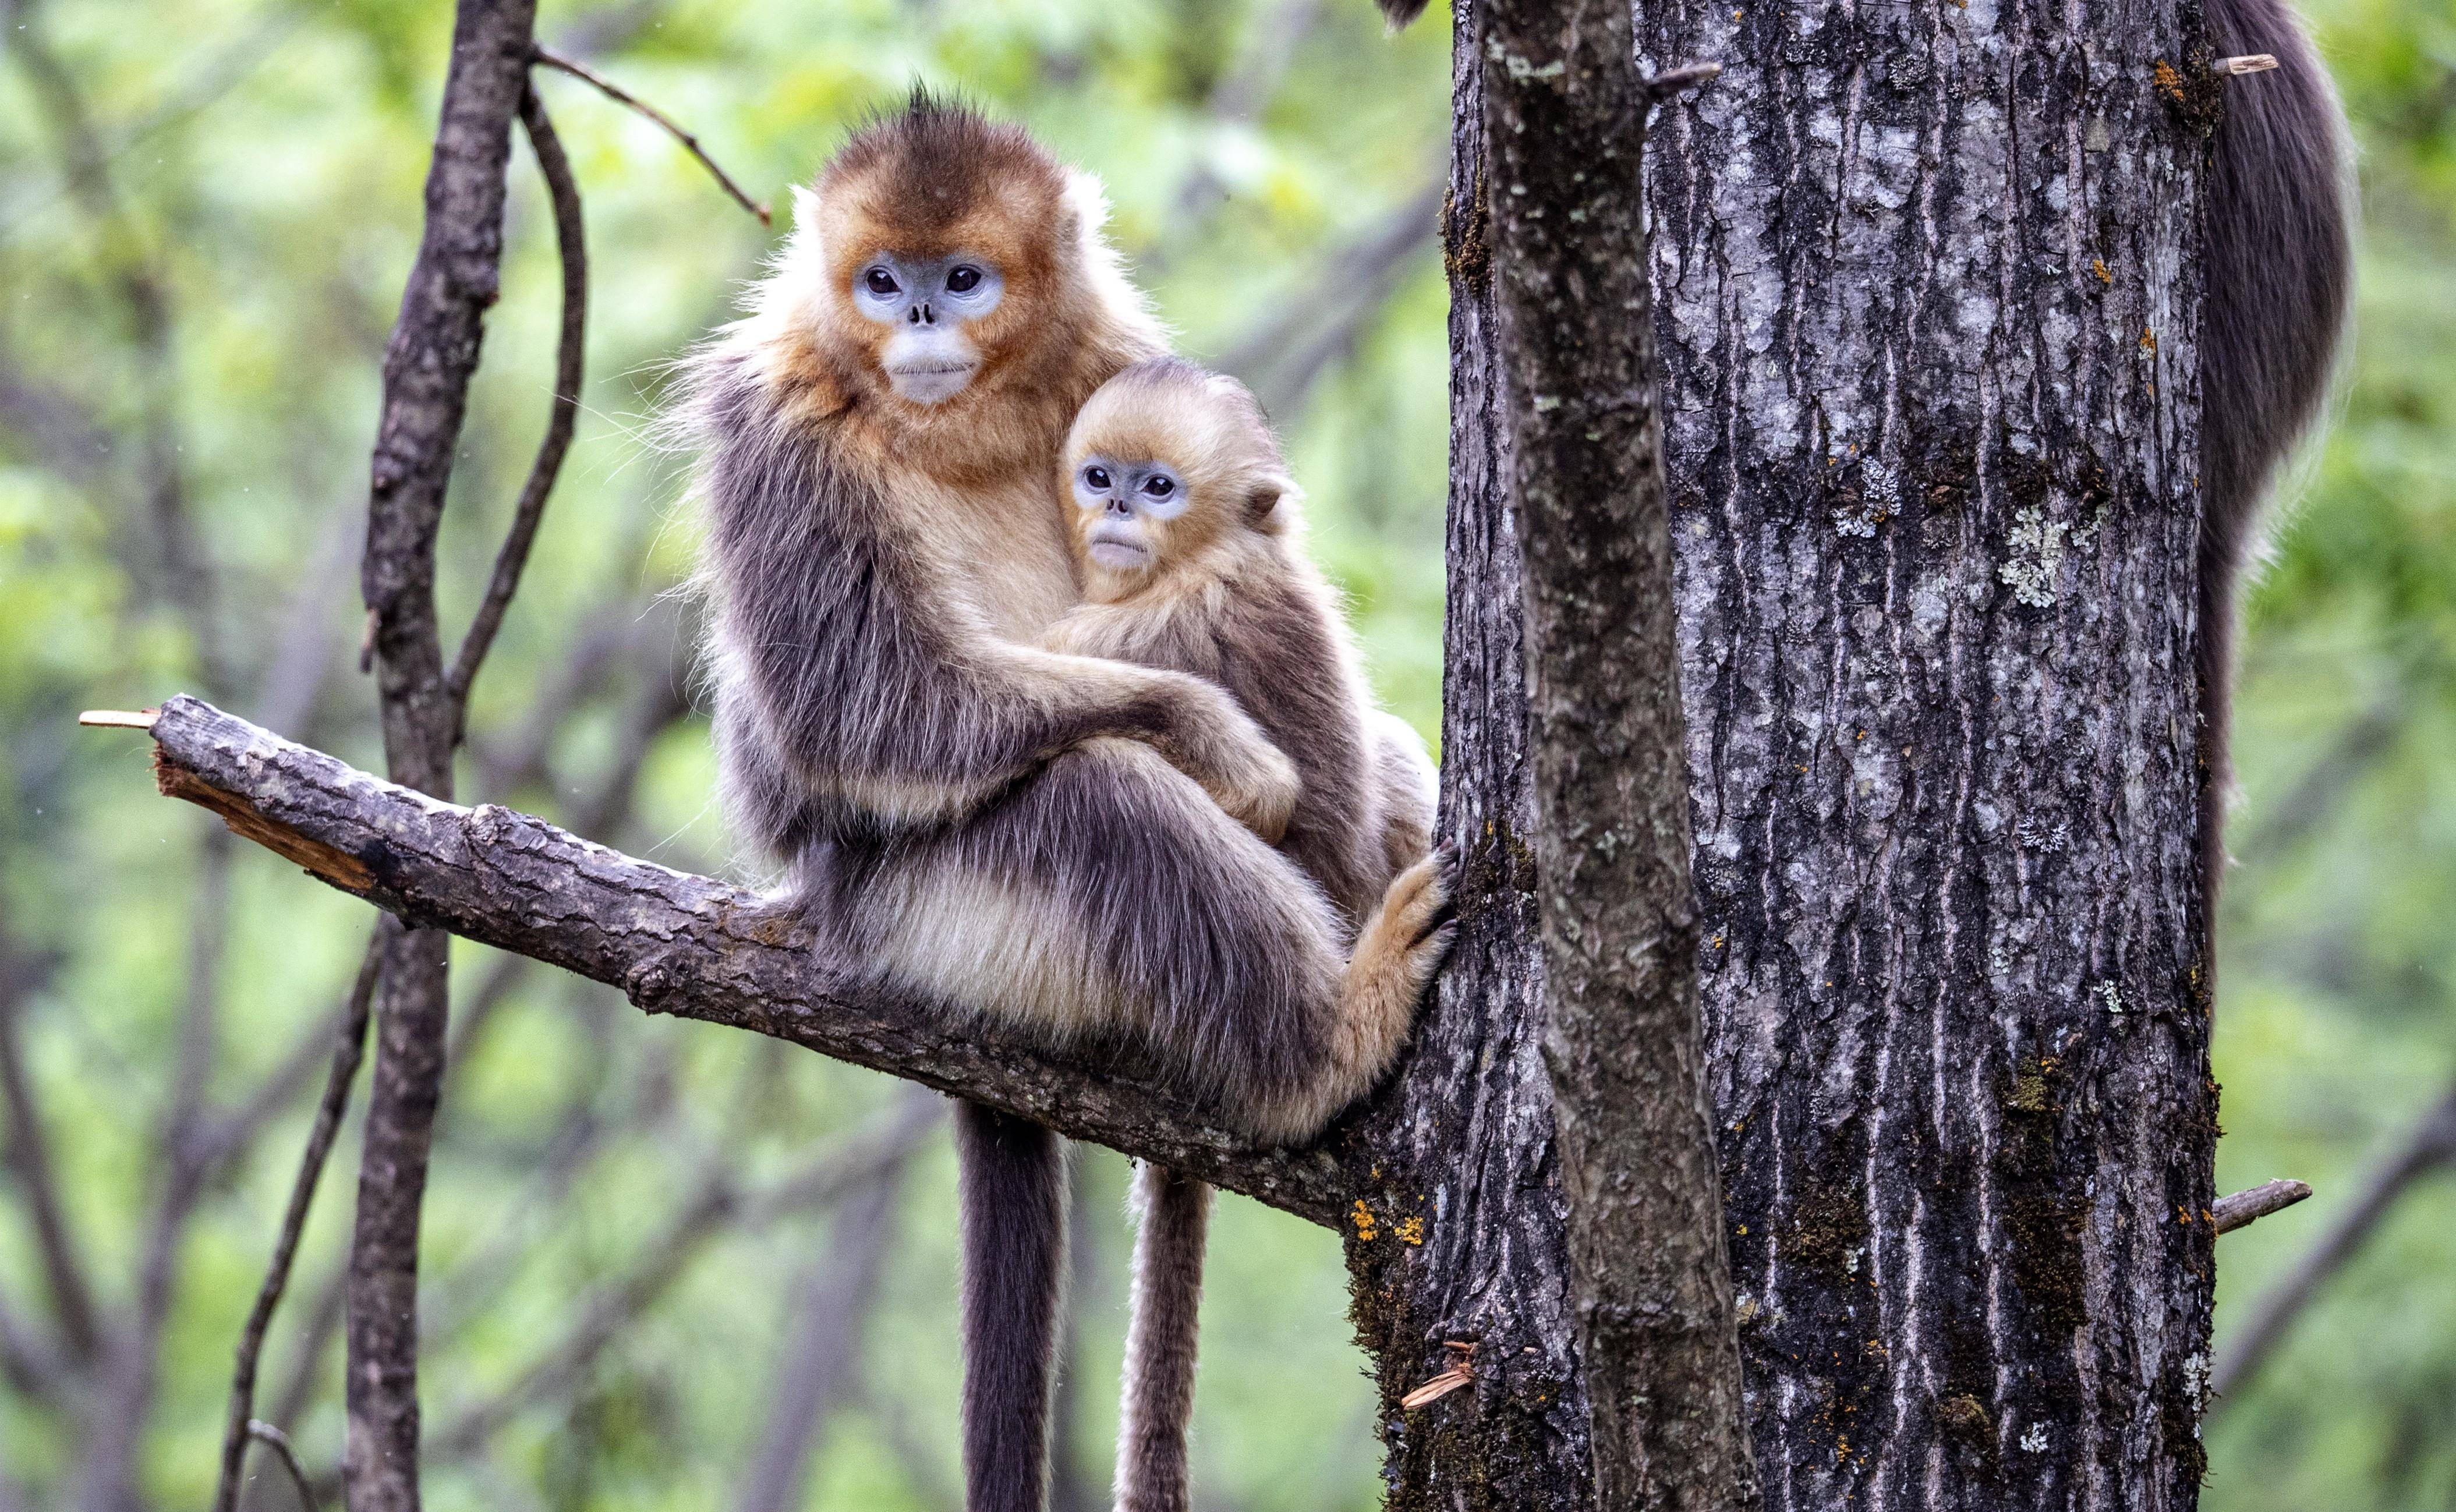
pixel 1564 121
pixel 1928 284
pixel 1458 1232
pixel 427 367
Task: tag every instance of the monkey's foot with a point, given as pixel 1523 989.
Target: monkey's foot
pixel 1396 956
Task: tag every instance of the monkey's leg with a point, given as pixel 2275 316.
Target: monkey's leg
pixel 1396 954
pixel 1108 896
pixel 1157 1403
pixel 1012 1175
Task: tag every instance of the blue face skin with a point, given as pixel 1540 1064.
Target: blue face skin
pixel 1128 496
pixel 927 302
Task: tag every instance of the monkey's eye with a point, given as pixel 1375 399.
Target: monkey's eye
pixel 879 281
pixel 964 279
pixel 1159 485
pixel 1097 478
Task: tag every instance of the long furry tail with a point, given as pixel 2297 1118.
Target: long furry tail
pixel 1161 1340
pixel 2280 270
pixel 1012 1174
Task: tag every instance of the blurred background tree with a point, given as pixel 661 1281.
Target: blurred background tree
pixel 671 1268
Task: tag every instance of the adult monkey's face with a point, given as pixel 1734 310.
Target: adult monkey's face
pixel 953 255
pixel 927 306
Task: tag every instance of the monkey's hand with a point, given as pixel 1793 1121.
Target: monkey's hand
pixel 1219 746
pixel 1257 787
pixel 1063 699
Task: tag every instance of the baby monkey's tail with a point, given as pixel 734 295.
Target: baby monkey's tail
pixel 1161 1340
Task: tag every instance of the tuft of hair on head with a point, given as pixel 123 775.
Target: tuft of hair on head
pixel 941 157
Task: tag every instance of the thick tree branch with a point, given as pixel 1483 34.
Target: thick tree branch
pixel 1565 119
pixel 685 945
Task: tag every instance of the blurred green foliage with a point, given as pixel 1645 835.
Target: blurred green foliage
pixel 206 211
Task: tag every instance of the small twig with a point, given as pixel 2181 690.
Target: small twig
pixel 569 362
pixel 1672 81
pixel 691 144
pixel 2258 1202
pixel 2248 63
pixel 265 1433
pixel 1460 1372
pixel 349 1045
pixel 2428 1145
pixel 119 717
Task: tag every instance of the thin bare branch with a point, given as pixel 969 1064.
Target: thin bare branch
pixel 1282 361
pixel 562 417
pixel 690 143
pixel 822 1351
pixel 716 1205
pixel 136 279
pixel 273 1438
pixel 428 363
pixel 1236 102
pixel 26 1363
pixel 315 1342
pixel 31 1161
pixel 349 1045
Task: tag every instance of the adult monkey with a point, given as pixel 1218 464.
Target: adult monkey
pixel 965 818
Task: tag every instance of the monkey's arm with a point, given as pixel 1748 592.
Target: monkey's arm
pixel 865 702
pixel 1108 635
pixel 1192 723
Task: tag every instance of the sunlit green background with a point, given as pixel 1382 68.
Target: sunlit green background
pixel 206 211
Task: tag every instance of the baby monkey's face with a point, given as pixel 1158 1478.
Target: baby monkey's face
pixel 1125 508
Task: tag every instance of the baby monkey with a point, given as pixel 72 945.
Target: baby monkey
pixel 1192 555
pixel 1191 548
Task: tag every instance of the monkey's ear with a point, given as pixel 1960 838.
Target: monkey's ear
pixel 1086 200
pixel 1270 502
pixel 806 209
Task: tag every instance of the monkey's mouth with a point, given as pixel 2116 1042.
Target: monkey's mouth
pixel 931 381
pixel 1116 550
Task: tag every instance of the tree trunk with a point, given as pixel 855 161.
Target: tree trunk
pixel 1564 127
pixel 1928 285
pixel 1460 1234
pixel 427 367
